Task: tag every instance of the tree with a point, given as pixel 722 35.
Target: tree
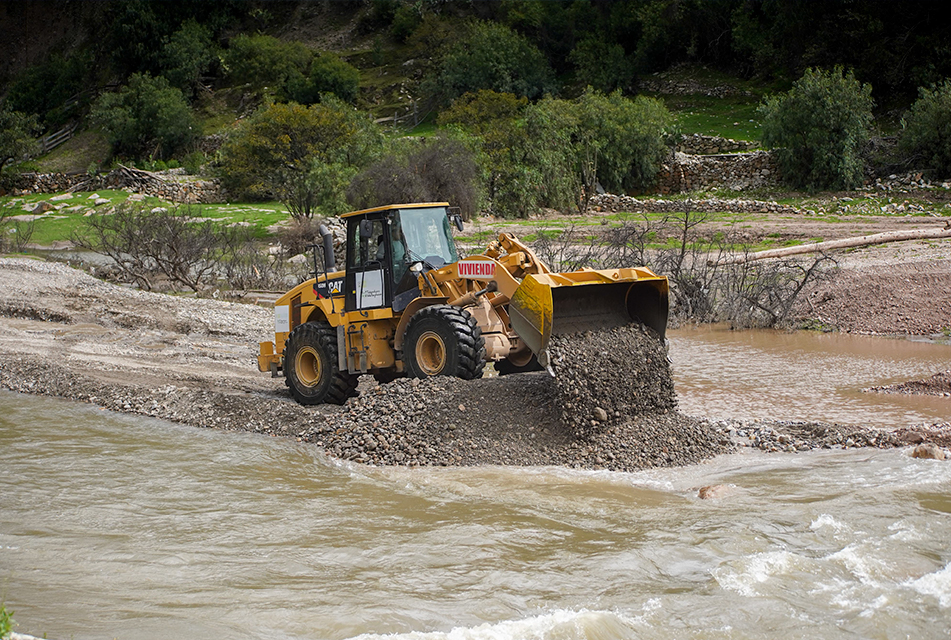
pixel 440 169
pixel 818 128
pixel 303 156
pixel 601 65
pixel 17 136
pixel 187 55
pixel 146 117
pixel 492 56
pixel 264 61
pixel 926 135
pixel 327 74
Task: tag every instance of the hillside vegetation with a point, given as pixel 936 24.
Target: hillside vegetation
pixel 508 109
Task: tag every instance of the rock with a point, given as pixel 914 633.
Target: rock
pixel 600 414
pixel 928 451
pixel 61 197
pixel 713 492
pixel 101 201
pixel 41 207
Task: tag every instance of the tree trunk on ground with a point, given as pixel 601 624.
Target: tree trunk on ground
pixel 845 243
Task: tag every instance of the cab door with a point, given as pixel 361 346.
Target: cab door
pixel 368 278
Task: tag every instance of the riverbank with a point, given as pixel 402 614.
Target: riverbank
pixel 192 361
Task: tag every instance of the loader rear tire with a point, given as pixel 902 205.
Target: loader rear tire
pixel 310 366
pixel 442 340
pixel 506 367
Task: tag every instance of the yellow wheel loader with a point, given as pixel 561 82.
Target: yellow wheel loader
pixel 406 305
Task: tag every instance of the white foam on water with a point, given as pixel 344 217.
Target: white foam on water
pixel 825 520
pixel 936 584
pixel 743 576
pixel 557 625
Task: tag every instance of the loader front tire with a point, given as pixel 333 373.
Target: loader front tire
pixel 310 366
pixel 442 340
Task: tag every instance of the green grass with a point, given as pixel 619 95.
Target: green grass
pixel 730 117
pixel 62 224
pixel 6 621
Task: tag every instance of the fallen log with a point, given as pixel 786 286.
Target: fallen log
pixel 845 243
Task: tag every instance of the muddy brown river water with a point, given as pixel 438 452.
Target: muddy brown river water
pixel 808 376
pixel 118 526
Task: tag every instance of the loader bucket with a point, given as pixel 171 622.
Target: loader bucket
pixel 564 303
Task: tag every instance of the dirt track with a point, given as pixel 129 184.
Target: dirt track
pixel 193 361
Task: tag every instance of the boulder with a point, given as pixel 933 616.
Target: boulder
pixel 928 451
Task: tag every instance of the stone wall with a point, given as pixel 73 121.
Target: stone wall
pixel 701 145
pixel 608 202
pixel 735 171
pixel 172 186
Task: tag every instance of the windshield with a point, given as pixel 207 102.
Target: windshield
pixel 428 235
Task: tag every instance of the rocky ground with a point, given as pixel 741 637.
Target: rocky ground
pixel 193 361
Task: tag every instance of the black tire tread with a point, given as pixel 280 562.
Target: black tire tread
pixel 343 384
pixel 470 345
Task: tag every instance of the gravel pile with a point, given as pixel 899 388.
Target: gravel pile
pixel 608 377
pixel 790 436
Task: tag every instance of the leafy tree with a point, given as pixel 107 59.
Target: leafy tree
pixel 492 56
pixel 146 117
pixel 289 70
pixel 554 152
pixel 926 135
pixel 187 55
pixel 328 74
pixel 262 61
pixel 626 136
pixel 51 90
pixel 601 65
pixel 440 169
pixel 818 128
pixel 303 156
pixel 17 131
pixel 497 120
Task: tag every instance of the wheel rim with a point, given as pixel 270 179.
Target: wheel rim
pixel 308 366
pixel 431 353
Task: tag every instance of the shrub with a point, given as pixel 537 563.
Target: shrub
pixel 303 156
pixel 17 136
pixel 289 70
pixel 442 169
pixel 52 90
pixel 818 129
pixel 146 117
pixel 626 137
pixel 144 244
pixel 492 56
pixel 926 135
pixel 187 54
pixel 328 74
pixel 601 65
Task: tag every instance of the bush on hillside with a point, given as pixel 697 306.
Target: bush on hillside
pixel 926 136
pixel 492 56
pixel 435 170
pixel 17 136
pixel 264 61
pixel 146 118
pixel 327 74
pixel 818 129
pixel 601 65
pixel 188 54
pixel 53 90
pixel 302 156
pixel 289 70
pixel 554 152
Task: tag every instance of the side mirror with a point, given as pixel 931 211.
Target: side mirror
pixel 458 220
pixel 366 229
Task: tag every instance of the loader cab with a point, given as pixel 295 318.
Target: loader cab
pixel 388 246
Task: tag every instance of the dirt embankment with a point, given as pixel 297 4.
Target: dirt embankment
pixel 189 360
